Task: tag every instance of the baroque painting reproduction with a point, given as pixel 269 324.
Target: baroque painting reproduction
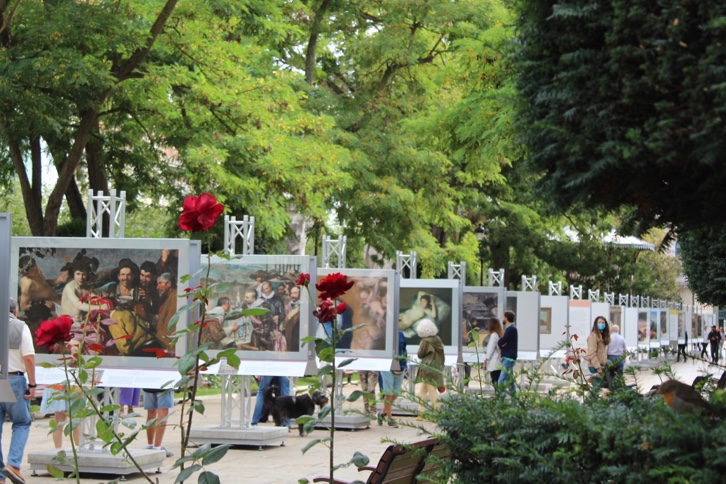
pixel 370 306
pixel 120 293
pixel 258 282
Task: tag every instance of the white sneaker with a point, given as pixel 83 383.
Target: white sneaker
pixel 150 446
pixel 168 452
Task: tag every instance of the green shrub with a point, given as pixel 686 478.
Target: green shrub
pixel 625 437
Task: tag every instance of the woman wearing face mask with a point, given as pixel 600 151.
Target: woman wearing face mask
pixel 597 352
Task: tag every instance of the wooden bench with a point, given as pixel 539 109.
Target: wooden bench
pixel 405 464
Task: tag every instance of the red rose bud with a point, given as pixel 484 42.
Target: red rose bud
pixel 340 308
pixel 333 286
pixel 200 213
pixel 303 280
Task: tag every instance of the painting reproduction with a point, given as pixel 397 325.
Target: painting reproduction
pixel 126 289
pixel 418 303
pixel 545 321
pixel 257 282
pixel 369 304
pixel 478 308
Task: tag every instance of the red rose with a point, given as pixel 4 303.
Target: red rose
pixel 303 279
pixel 326 311
pixel 199 213
pixel 333 285
pixel 54 331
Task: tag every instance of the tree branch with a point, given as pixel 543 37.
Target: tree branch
pixel 125 70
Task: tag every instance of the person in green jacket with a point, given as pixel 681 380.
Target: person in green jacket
pixel 431 367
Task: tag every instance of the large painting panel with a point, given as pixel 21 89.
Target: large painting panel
pixel 435 299
pixel 134 282
pixel 370 304
pixel 265 282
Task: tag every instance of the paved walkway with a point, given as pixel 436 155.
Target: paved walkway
pixel 286 464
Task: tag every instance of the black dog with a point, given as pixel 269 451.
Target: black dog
pixel 285 407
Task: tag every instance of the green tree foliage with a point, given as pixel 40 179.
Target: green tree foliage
pixel 624 105
pixel 396 76
pixel 160 101
pixel 703 252
pixel 62 62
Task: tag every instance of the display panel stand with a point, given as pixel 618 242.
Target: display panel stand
pixel 234 427
pixel 93 456
pixel 343 420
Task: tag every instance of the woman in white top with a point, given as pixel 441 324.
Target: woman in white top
pixel 494 354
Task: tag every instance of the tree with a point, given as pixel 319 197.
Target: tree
pixel 703 252
pixel 56 87
pixel 394 75
pixel 623 106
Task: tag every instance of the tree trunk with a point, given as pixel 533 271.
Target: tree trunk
pixel 97 180
pixel 311 50
pixel 68 171
pixel 31 194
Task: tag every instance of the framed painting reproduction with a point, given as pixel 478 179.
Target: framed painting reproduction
pixel 259 281
pixel 120 293
pixel 436 299
pixel 370 304
pixel 479 305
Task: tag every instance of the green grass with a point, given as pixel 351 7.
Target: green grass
pixel 215 390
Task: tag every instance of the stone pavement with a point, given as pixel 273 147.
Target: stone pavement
pixel 286 464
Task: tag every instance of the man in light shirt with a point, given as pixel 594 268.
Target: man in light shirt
pixel 21 363
pixel 616 349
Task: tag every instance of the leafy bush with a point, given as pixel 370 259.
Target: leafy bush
pixel 625 437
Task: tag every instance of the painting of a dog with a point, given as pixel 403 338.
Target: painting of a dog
pixel 285 407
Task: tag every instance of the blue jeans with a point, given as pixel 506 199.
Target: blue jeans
pixel 19 413
pixel 619 367
pixel 264 384
pixel 506 377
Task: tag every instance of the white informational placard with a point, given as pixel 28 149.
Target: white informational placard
pixel 580 322
pixel 114 377
pixel 260 368
pixel 365 364
pixel 449 360
pixel 151 379
pixel 528 322
pixel 553 320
